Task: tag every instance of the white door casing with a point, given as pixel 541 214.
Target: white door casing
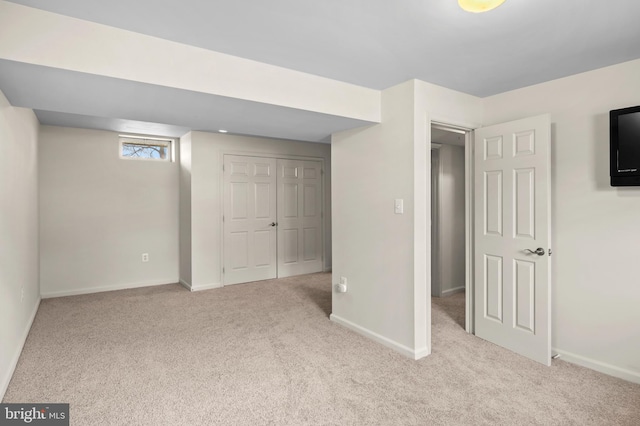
pixel 436 284
pixel 299 217
pixel 512 214
pixel 249 219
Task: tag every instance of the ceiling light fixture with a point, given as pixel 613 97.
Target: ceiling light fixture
pixel 223 131
pixel 477 6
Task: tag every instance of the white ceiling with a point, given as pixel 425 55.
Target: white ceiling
pixel 380 43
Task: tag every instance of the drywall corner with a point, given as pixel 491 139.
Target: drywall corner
pixel 4 381
pixel 184 158
pixel 19 245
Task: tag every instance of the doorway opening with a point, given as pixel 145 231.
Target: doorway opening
pixel 450 226
pixel 507 235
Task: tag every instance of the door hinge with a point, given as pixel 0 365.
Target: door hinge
pixel 223 167
pixel 223 270
pixel 223 218
pixel 550 252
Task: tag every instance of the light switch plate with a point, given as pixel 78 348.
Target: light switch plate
pixel 399 206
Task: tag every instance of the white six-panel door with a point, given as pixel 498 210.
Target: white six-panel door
pixel 299 217
pixel 249 220
pixel 512 222
pixel 272 218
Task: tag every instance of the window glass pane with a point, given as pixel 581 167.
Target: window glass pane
pixel 144 151
pixel 147 149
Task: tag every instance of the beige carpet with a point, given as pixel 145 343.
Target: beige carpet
pixel 266 353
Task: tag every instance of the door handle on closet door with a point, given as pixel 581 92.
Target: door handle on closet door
pixel 539 251
pixel 273 224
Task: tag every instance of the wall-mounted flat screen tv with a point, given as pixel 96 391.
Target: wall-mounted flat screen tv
pixel 624 128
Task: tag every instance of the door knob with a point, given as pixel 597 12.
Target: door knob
pixel 539 251
pixel 273 224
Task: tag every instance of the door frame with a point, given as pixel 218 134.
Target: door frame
pixel 275 155
pixel 467 129
pixel 436 217
pixel 470 211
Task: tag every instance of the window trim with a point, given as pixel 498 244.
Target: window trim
pixel 132 139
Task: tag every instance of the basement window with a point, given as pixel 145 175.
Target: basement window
pixel 145 148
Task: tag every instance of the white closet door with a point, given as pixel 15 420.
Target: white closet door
pixel 250 251
pixel 513 236
pixel 299 217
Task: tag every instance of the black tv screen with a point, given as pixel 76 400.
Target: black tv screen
pixel 624 125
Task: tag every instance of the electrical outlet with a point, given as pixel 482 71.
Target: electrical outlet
pixel 145 257
pixel 342 286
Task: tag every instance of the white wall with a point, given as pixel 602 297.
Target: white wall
pixel 596 287
pixel 385 256
pixel 18 233
pixel 99 213
pixel 452 220
pixel 207 151
pixel 372 246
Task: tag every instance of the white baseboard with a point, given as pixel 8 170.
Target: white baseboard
pixel 602 367
pixel 201 287
pixel 404 350
pixel 185 284
pixel 421 353
pixel 100 289
pixel 4 384
pixel 452 291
